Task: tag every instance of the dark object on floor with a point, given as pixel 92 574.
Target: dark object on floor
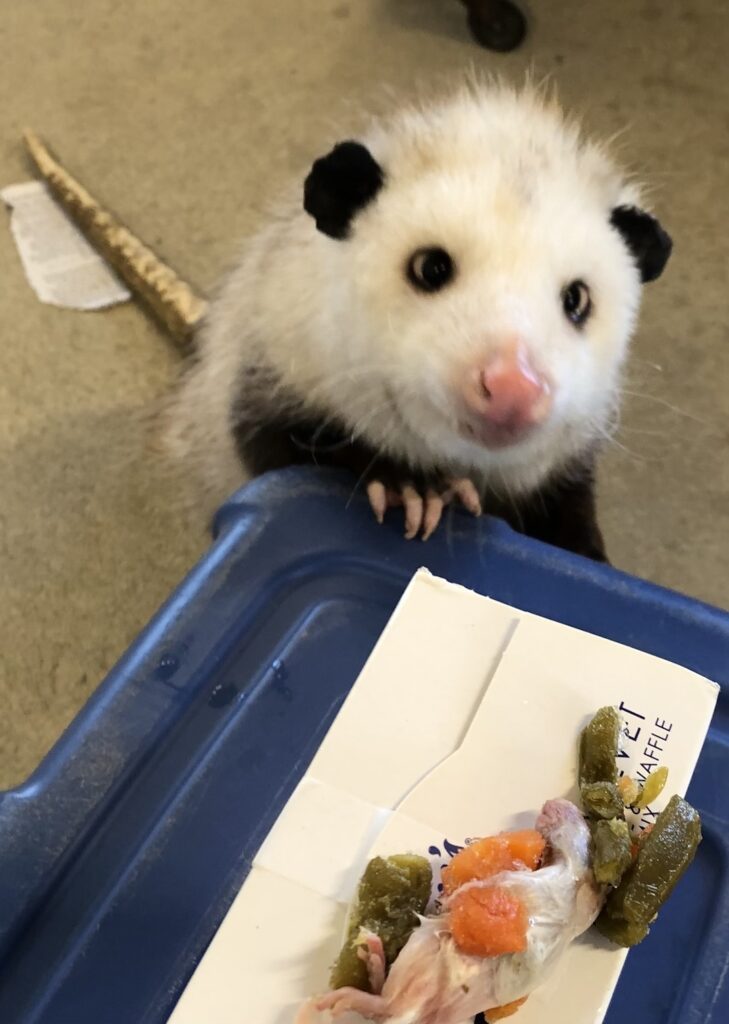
pixel 496 24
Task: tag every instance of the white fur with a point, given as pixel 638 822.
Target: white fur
pixel 522 203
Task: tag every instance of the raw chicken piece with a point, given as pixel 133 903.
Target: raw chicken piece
pixel 432 982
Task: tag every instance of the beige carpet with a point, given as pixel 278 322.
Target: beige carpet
pixel 185 117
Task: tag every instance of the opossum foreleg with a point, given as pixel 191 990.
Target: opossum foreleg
pixel 564 513
pixel 265 446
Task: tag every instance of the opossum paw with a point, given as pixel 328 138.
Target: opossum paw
pixel 465 490
pixel 423 511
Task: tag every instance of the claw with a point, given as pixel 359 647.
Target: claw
pixel 421 513
pixel 469 496
pixel 413 503
pixel 433 511
pixel 372 952
pixel 378 499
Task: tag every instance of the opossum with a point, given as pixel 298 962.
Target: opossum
pixel 445 311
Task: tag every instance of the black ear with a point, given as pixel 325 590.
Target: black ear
pixel 649 243
pixel 339 185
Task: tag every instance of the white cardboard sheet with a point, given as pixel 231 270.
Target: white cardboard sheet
pixel 463 722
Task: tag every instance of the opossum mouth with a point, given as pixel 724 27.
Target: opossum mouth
pixel 497 436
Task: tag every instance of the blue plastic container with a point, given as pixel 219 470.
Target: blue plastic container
pixel 121 854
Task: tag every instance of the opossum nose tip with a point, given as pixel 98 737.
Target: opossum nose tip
pixel 506 397
pixel 514 395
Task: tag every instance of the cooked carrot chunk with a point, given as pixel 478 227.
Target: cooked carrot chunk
pixel 499 1012
pixel 488 921
pixel 487 857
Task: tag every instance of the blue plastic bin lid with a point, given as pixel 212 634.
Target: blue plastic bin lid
pixel 121 854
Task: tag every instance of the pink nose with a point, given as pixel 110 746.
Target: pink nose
pixel 516 395
pixel 505 398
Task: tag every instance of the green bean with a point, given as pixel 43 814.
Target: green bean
pixel 392 892
pixel 663 856
pixel 599 748
pixel 602 800
pixel 611 851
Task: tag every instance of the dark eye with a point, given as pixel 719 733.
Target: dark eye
pixel 576 302
pixel 429 270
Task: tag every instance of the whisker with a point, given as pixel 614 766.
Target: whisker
pixel 611 439
pixel 666 404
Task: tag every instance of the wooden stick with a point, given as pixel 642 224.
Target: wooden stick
pixel 172 300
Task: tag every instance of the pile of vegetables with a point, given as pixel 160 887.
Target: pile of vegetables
pixel 642 873
pixel 638 873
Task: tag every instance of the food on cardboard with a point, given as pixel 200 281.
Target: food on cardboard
pixel 497 931
pixel 511 903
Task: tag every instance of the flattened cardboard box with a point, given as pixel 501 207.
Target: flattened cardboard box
pixel 464 720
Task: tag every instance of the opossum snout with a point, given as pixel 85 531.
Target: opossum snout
pixel 506 398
